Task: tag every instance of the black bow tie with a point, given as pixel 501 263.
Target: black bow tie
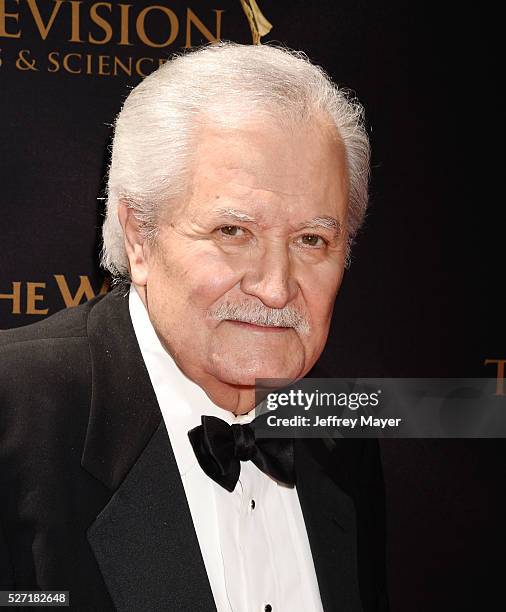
pixel 221 447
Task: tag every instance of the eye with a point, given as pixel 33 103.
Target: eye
pixel 231 231
pixel 313 240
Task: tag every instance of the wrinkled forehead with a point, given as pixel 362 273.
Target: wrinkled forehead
pixel 263 166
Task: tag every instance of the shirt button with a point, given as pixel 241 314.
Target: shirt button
pixel 267 608
pixel 252 506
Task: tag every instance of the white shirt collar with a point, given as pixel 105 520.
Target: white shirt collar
pixel 182 402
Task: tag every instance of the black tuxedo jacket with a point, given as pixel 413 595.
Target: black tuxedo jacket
pixel 91 497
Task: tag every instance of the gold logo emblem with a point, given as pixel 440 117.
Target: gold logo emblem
pixel 258 24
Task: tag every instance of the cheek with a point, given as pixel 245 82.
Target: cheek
pixel 321 316
pixel 320 288
pixel 196 280
pixel 204 289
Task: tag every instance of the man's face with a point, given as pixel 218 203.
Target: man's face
pixel 261 233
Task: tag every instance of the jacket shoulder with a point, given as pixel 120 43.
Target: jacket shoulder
pixel 70 322
pixel 45 359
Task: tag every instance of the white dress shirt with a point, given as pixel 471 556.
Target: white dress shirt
pixel 253 540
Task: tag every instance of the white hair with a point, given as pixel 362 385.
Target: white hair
pixel 159 123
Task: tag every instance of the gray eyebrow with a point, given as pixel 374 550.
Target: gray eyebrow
pixel 325 222
pixel 234 215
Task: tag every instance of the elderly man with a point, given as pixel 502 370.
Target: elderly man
pixel 237 183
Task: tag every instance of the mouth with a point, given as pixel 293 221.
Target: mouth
pixel 258 326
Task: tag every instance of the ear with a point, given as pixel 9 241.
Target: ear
pixel 135 244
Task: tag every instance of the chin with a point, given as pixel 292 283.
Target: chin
pixel 247 376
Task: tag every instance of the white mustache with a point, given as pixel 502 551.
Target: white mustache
pixel 262 315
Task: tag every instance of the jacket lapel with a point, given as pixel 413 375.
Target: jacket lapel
pixel 124 412
pixel 144 540
pixel 330 517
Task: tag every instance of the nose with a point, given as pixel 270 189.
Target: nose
pixel 270 278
